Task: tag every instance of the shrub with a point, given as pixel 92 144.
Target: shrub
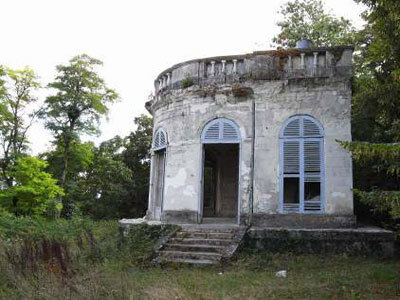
pixel 33 245
pixel 187 81
pixel 35 192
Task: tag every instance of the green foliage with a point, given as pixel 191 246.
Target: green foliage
pixel 383 157
pixel 16 115
pixel 136 157
pixel 141 239
pixel 377 158
pixel 376 101
pixel 104 188
pixel 109 181
pixel 187 82
pixel 81 157
pixel 66 246
pixel 81 98
pixel 3 89
pixel 376 109
pixel 383 201
pixel 35 192
pixel 117 182
pixel 33 228
pixel 382 51
pixel 307 19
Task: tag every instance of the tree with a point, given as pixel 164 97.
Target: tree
pixel 377 97
pixel 35 192
pixel 376 111
pixel 80 160
pixel 16 115
pixel 117 182
pixel 81 156
pixel 81 98
pixel 112 180
pixel 2 82
pixel 103 191
pixel 307 19
pixel 136 157
pixel 377 180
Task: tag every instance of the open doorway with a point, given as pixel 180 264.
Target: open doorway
pixel 220 180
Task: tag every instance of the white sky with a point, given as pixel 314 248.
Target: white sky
pixel 136 40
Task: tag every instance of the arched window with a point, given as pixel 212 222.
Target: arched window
pixel 220 131
pixel 160 140
pixel 301 166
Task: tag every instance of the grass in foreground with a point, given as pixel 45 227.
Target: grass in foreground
pixel 251 277
pixel 99 268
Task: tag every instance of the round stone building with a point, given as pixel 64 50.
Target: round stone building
pixel 252 139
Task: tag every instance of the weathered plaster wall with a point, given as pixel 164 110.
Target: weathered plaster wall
pixel 184 119
pixel 328 102
pixel 280 89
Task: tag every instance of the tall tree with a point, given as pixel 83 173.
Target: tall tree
pixel 377 97
pixel 80 163
pixel 81 98
pixel 307 19
pixel 17 115
pixel 376 110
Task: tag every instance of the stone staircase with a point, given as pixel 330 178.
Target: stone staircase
pixel 201 244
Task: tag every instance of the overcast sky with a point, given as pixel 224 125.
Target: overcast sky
pixel 136 40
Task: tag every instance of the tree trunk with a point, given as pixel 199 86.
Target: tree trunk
pixel 68 206
pixel 65 166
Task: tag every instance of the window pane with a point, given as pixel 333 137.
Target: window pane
pixel 312 191
pixel 291 190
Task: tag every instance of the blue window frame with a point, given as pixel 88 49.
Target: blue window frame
pixel 301 169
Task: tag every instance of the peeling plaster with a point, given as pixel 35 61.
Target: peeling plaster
pixel 184 192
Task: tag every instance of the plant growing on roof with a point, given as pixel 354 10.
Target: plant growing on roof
pixel 187 81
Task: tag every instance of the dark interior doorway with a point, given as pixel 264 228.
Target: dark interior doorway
pixel 221 180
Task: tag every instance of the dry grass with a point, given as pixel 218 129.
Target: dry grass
pixel 251 277
pixel 97 268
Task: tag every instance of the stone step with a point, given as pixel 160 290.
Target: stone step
pixel 195 248
pixel 200 241
pixel 198 262
pixel 213 229
pixel 172 254
pixel 201 245
pixel 204 235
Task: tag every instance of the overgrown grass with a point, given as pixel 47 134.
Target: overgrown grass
pixel 100 266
